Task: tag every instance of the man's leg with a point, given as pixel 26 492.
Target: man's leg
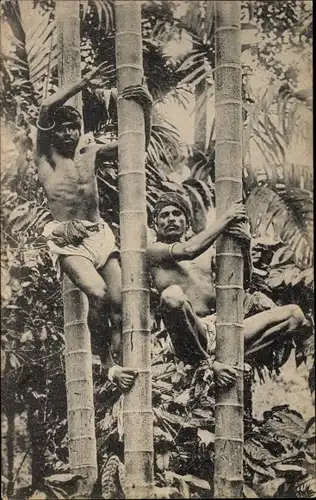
pixel 272 326
pixel 187 334
pixel 261 330
pixel 111 273
pixel 83 274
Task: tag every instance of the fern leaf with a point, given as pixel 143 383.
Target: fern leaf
pixel 110 477
pixel 259 454
pixel 289 213
pixel 261 470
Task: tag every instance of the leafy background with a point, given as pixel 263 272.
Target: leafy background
pixel 178 50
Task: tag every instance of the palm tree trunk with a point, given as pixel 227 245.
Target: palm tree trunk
pixel 10 414
pixel 68 40
pixel 228 480
pixel 200 119
pixel 78 358
pixel 138 420
pixel 37 433
pixel 201 128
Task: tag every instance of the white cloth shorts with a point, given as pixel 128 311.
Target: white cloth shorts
pixel 97 247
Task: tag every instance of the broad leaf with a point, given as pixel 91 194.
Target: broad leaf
pixel 286 213
pixel 249 492
pixel 189 478
pixel 259 453
pixel 206 437
pixel 269 488
pixel 63 478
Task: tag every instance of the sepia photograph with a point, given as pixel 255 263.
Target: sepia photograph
pixel 157 260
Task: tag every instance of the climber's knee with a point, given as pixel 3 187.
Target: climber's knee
pixel 173 297
pixel 296 316
pixel 97 293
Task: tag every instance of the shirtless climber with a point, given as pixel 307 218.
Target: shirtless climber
pixel 82 244
pixel 182 273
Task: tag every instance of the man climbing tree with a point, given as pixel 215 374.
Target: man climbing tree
pixel 182 272
pixel 81 244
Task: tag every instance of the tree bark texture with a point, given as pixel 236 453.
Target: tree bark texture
pixel 37 433
pixel 78 357
pixel 138 419
pixel 228 479
pixel 10 450
pixel 68 41
pixel 200 119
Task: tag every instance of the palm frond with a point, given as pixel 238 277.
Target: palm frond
pixel 104 10
pixel 194 58
pixel 34 36
pixel 199 21
pixel 9 154
pixel 197 27
pixel 33 46
pixel 287 213
pixel 199 73
pixel 205 190
pixel 202 101
pixel 180 95
pixel 201 196
pixel 165 144
pixel 279 123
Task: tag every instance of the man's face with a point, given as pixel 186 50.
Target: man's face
pixel 66 137
pixel 171 224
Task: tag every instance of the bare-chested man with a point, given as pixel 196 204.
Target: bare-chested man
pixel 81 243
pixel 182 273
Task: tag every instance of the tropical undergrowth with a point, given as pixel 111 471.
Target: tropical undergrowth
pixel 279 453
pixel 279 449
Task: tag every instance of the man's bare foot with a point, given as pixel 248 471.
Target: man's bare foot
pixel 122 376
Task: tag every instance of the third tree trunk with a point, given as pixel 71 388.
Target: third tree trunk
pixel 228 479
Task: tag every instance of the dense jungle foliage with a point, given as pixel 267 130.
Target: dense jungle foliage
pixel 279 449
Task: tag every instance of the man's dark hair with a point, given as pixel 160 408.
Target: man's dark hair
pixel 67 114
pixel 176 200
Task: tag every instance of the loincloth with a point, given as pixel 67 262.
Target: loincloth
pixel 209 325
pixel 97 247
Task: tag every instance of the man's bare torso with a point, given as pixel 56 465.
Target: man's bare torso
pixel 71 187
pixel 194 277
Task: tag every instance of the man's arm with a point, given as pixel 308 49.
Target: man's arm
pixel 100 152
pixel 49 106
pixel 45 121
pixel 137 93
pixel 195 246
pixel 140 94
pixel 62 95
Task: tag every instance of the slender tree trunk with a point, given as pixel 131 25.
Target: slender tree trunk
pixel 10 450
pixel 200 119
pixel 228 480
pixel 37 433
pixel 78 358
pixel 201 122
pixel 68 41
pixel 138 420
